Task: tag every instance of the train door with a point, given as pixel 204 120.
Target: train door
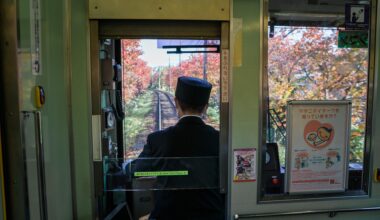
pixel 135 66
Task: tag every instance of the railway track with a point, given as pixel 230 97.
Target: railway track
pixel 166 114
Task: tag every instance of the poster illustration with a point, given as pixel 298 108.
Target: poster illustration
pixel 245 165
pixel 318 146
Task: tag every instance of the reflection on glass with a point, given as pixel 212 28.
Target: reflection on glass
pixel 162 174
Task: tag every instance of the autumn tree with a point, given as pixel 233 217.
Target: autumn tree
pixel 136 72
pixel 306 64
pixel 165 78
pixel 194 66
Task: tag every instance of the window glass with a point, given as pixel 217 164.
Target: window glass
pixel 150 70
pixel 316 50
pixel 305 63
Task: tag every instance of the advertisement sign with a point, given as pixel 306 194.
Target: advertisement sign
pixel 318 146
pixel 353 39
pixel 245 165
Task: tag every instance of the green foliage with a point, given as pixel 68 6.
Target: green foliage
pixel 166 77
pixel 357 144
pixel 213 114
pixel 136 120
pixel 213 111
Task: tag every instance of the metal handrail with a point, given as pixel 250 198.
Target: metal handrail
pixel 275 118
pixel 331 213
pixel 40 160
pixel 41 165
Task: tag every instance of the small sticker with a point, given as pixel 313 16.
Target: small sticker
pixel 162 173
pixel 357 16
pixel 245 165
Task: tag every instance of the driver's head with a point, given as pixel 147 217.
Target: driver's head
pixel 192 94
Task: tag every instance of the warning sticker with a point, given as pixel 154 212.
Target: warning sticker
pixel 162 173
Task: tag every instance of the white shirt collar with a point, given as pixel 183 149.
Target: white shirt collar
pixel 184 116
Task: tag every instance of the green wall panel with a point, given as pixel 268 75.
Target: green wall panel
pixel 81 110
pixel 28 80
pixel 55 112
pixel 245 98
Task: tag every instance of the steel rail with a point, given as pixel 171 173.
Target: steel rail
pixel 170 100
pixel 159 109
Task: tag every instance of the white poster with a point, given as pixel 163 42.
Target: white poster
pixel 318 144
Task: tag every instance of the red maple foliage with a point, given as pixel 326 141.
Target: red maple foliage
pixel 194 66
pixel 136 72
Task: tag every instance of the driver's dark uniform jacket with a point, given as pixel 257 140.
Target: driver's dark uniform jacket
pixel 177 148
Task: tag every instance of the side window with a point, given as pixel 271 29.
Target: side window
pixel 316 53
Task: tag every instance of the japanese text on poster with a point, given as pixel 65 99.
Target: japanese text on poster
pixel 318 142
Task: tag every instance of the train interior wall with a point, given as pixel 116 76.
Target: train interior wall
pixel 66 116
pixel 67 113
pixel 245 128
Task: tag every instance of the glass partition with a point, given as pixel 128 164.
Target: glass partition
pixel 164 173
pixel 139 78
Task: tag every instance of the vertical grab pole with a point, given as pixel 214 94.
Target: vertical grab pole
pixel 40 165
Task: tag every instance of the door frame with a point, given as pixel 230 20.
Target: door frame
pixel 163 29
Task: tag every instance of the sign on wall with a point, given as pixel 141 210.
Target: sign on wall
pixel 353 39
pixel 318 146
pixel 357 16
pixel 35 31
pixel 245 165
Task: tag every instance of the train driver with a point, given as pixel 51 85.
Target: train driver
pixel 189 137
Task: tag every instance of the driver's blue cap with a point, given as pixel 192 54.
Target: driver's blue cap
pixel 193 91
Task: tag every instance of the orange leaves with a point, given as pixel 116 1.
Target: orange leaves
pixel 305 64
pixel 136 72
pixel 195 66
